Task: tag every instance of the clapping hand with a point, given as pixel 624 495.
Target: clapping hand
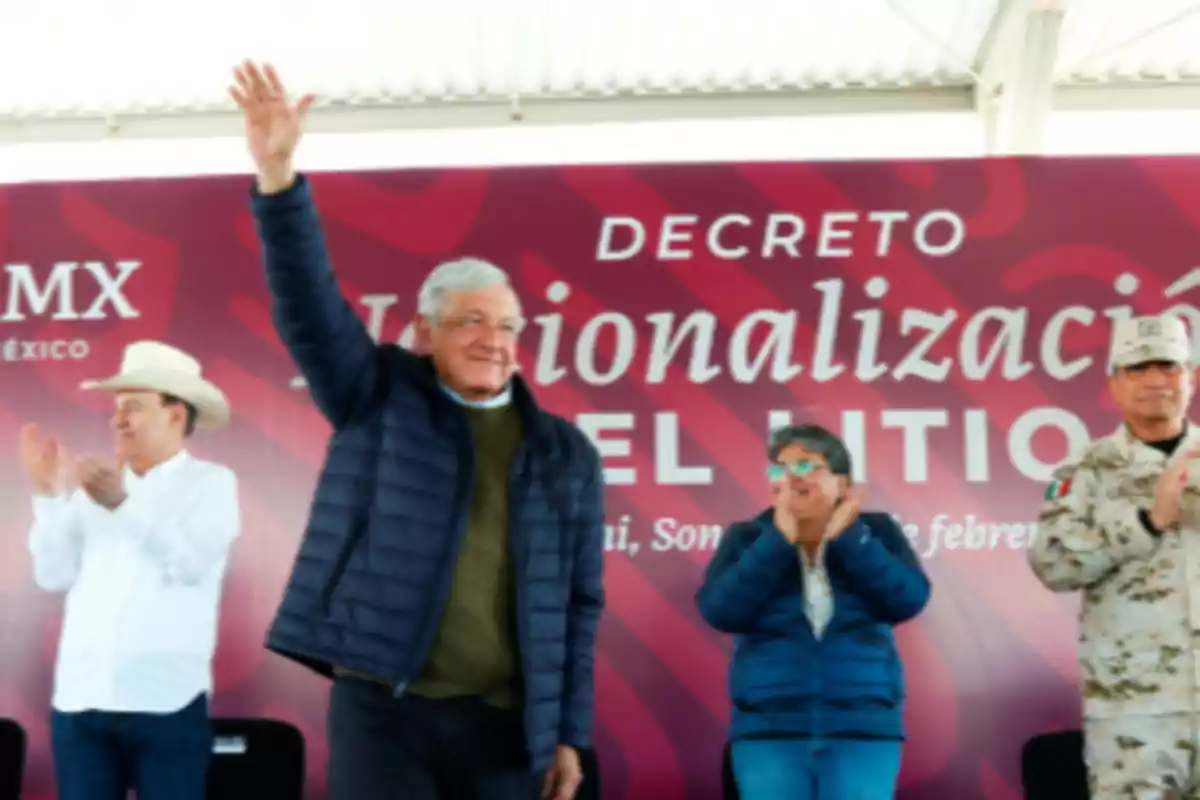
pixel 785 517
pixel 846 512
pixel 44 460
pixel 104 482
pixel 1168 491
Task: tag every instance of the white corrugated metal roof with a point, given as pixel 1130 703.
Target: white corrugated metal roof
pixel 1126 40
pixel 154 68
pixel 120 55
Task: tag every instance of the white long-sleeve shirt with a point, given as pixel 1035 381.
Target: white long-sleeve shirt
pixel 143 586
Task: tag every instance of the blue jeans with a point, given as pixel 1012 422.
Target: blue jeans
pixel 816 769
pixel 99 755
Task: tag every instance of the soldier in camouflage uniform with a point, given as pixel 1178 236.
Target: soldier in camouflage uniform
pixel 1121 523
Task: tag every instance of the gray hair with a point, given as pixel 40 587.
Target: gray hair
pixel 814 439
pixel 462 275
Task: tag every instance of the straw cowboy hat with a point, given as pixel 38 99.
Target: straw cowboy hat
pixel 158 367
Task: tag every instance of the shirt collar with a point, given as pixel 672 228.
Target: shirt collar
pixel 817 559
pixel 502 399
pixel 163 467
pixel 1131 448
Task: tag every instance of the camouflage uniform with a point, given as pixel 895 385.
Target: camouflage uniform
pixel 1139 623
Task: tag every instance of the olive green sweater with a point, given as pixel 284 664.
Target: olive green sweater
pixel 475 650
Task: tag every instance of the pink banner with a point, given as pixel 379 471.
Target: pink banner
pixel 950 319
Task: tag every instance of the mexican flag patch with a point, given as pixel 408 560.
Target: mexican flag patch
pixel 1058 489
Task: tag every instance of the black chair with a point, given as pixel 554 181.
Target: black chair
pixel 13 747
pixel 255 759
pixel 1053 768
pixel 729 790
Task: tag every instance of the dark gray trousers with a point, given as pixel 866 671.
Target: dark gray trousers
pixel 414 748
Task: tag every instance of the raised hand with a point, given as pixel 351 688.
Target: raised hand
pixel 273 123
pixel 43 459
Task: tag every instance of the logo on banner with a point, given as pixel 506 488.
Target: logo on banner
pixel 73 291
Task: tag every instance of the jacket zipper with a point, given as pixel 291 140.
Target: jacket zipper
pixel 517 480
pixel 340 566
pixel 463 499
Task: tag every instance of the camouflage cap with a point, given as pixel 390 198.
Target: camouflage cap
pixel 1155 338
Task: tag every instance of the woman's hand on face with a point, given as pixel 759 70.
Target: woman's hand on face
pixel 846 512
pixel 785 517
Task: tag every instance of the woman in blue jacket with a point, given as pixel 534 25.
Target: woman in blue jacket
pixel 812 588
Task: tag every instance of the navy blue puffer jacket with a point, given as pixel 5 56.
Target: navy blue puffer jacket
pixel 783 680
pixel 390 508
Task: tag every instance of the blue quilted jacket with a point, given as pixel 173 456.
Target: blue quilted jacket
pixel 784 682
pixel 390 507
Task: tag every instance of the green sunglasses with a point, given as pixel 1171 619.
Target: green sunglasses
pixel 797 469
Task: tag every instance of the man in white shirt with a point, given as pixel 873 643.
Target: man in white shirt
pixel 139 545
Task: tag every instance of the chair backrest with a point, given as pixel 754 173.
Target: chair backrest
pixel 1053 768
pixel 256 758
pixel 13 748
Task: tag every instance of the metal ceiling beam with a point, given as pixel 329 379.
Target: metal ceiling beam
pixel 994 57
pixel 1016 67
pixel 992 61
pixel 1117 96
pixel 528 111
pixel 1028 95
pixel 1144 95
